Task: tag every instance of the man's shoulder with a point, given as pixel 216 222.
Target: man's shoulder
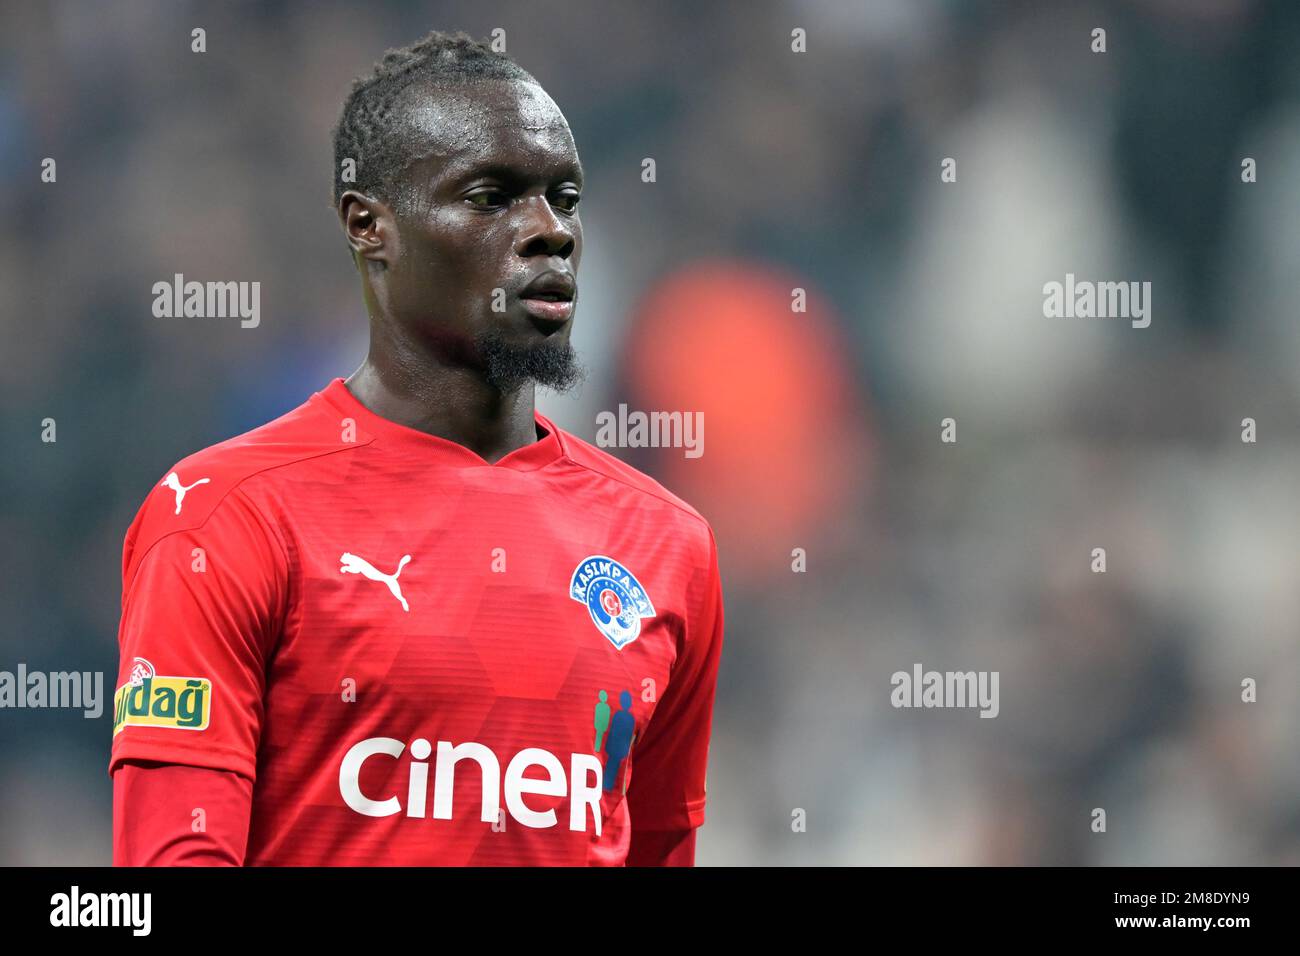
pixel 639 487
pixel 188 493
pixel 308 431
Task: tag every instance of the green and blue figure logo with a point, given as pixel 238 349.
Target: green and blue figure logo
pixel 617 731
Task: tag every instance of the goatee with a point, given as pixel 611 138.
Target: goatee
pixel 551 363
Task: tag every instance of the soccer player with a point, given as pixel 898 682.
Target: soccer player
pixel 413 622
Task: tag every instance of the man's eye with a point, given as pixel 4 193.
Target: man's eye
pixel 487 198
pixel 568 201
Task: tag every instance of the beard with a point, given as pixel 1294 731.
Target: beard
pixel 507 365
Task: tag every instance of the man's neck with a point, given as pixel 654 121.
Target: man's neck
pixel 451 403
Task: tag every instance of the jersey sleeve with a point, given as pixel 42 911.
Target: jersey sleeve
pixel 661 848
pixel 172 815
pixel 202 602
pixel 669 763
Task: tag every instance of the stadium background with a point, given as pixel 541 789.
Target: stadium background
pixel 775 170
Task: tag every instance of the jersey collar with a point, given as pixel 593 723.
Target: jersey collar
pixel 538 454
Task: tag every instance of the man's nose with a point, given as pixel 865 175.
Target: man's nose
pixel 545 232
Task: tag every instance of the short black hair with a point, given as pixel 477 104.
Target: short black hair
pixel 372 131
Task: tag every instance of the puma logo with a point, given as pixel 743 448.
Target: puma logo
pixel 173 482
pixel 352 564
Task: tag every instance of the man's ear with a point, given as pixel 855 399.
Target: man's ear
pixel 369 225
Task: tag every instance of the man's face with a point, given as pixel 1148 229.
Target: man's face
pixel 492 208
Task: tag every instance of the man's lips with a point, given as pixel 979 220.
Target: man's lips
pixel 550 296
pixel 559 310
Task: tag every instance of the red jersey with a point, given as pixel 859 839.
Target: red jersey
pixel 418 657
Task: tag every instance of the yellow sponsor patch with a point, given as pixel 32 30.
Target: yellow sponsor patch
pixel 183 703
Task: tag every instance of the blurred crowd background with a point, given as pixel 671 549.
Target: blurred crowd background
pixel 775 170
